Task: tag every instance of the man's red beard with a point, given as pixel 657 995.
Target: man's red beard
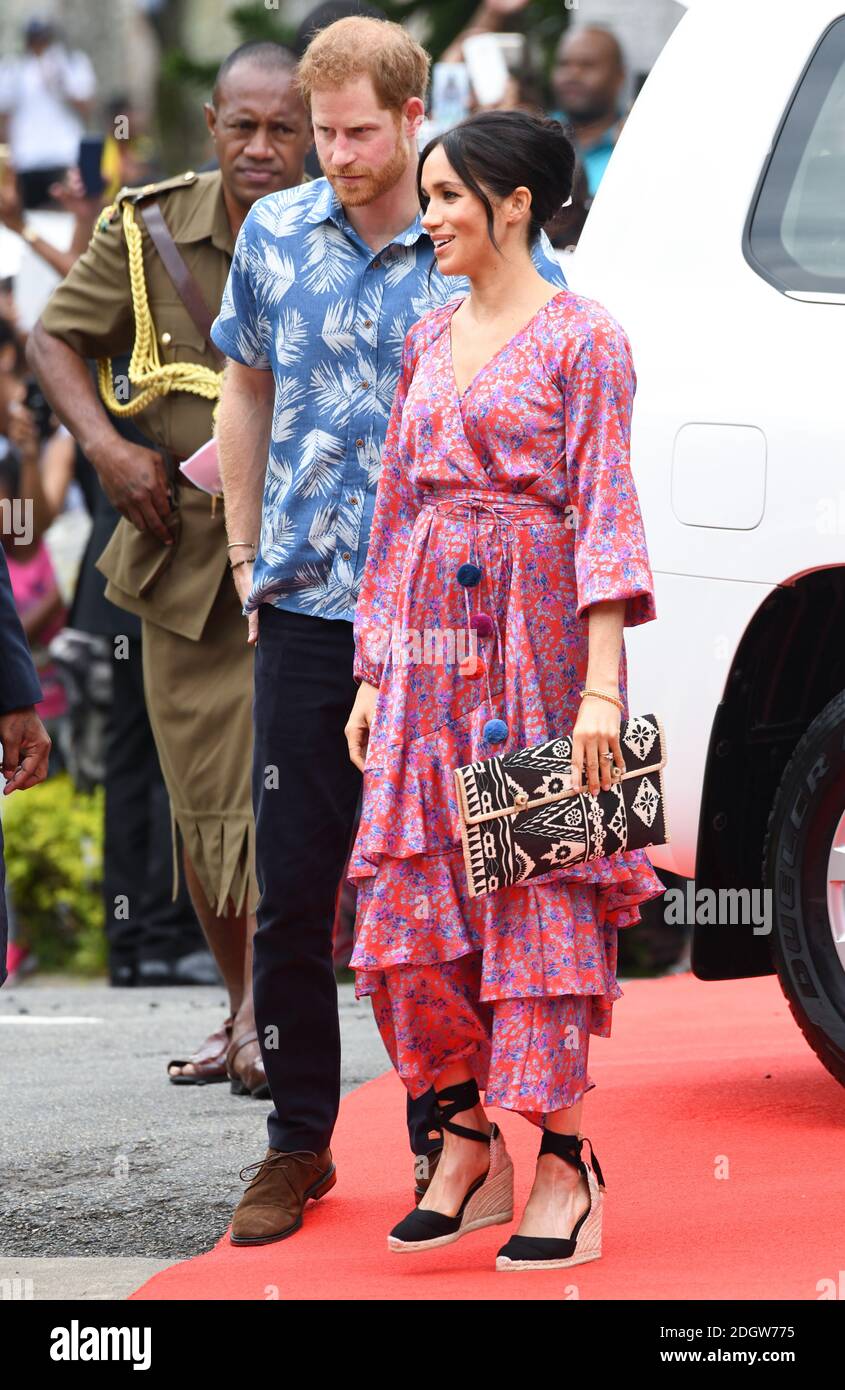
pixel 372 182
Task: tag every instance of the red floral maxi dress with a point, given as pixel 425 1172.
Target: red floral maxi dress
pixel 512 981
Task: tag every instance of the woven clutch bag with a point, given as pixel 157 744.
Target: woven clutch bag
pixel 521 819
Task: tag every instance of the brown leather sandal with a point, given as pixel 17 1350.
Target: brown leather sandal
pixel 253 1080
pixel 209 1059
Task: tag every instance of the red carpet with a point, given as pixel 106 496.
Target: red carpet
pixel 698 1079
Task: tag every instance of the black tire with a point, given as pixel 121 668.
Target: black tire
pixel 805 812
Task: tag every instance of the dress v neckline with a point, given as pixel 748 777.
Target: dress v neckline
pixel 496 355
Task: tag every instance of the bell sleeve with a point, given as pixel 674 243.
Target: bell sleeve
pixel 397 504
pixel 611 556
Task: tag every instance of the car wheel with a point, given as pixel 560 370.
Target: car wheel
pixel 804 867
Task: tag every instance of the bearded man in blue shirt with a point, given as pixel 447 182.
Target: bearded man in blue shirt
pixel 325 283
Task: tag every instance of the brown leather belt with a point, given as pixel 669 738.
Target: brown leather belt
pixel 193 299
pixel 183 281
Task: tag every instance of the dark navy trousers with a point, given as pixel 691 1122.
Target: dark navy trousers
pixel 305 796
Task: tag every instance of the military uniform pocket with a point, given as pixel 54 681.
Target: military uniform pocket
pixel 178 338
pixel 135 560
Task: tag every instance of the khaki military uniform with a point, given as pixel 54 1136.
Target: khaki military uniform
pixel 198 666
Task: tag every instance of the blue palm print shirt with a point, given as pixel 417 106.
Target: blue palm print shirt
pixel 310 301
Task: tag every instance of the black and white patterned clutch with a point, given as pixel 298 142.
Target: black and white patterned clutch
pixel 521 819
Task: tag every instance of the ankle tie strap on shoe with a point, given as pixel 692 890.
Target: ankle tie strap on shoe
pixel 451 1101
pixel 273 1161
pixel 568 1147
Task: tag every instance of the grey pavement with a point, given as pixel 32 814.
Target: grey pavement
pixel 111 1172
pixel 93 1277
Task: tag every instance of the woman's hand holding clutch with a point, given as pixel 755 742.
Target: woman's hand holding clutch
pixel 596 733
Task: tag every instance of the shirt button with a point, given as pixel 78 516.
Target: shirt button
pixel 365 385
pixel 165 338
pixel 352 501
pixel 359 443
pixel 376 264
pixel 368 323
pixel 346 555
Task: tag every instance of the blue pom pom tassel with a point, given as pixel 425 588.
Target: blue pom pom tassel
pixel 469 575
pixel 495 731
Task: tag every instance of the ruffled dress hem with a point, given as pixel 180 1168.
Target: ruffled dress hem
pixel 549 937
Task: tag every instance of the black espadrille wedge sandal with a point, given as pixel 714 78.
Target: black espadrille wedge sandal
pixel 489 1200
pixel 548 1252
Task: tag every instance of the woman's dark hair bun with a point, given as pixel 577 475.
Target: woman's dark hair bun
pixel 499 150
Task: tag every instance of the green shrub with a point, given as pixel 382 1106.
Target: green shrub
pixel 54 868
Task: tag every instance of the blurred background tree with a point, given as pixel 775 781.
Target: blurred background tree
pixel 185 83
pixel 54 869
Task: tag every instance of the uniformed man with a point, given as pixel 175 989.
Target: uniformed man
pixel 167 559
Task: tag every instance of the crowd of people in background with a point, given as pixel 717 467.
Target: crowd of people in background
pixel 49 97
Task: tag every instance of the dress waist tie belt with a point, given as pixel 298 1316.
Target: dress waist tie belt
pixel 503 509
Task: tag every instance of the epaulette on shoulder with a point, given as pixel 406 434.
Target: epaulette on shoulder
pixel 147 190
pixel 138 194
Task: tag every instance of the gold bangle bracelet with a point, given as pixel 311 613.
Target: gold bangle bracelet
pixel 602 696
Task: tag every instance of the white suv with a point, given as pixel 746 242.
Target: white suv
pixel 717 238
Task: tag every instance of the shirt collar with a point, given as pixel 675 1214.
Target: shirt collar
pixel 208 217
pixel 327 207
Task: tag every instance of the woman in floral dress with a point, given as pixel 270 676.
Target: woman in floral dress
pixel 507 454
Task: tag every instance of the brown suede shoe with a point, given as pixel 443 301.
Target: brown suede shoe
pixel 271 1208
pixel 419 1168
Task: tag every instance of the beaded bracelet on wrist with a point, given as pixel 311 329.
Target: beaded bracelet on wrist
pixel 600 694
